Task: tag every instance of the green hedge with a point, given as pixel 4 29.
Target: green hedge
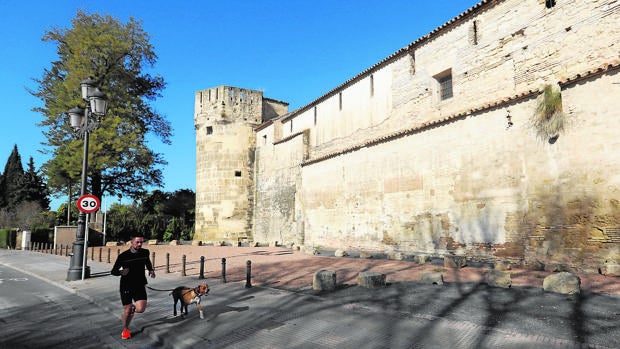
pixel 7 238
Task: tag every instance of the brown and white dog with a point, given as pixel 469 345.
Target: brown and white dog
pixel 188 296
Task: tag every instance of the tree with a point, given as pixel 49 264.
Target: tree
pixel 115 56
pixel 12 181
pixel 33 188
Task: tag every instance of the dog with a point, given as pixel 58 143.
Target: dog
pixel 187 296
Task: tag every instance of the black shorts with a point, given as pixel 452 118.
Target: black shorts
pixel 136 293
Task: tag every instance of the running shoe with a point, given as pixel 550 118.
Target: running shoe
pixel 126 334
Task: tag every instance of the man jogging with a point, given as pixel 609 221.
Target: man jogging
pixel 130 267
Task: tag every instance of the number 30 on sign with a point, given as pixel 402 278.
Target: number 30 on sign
pixel 88 203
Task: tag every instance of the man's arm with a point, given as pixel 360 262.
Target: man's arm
pixel 116 269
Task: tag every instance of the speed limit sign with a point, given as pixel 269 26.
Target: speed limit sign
pixel 88 203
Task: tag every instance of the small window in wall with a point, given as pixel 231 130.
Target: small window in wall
pixel 264 139
pixel 549 3
pixel 230 93
pixel 315 115
pixel 237 173
pixel 340 101
pixel 209 130
pixel 372 85
pixel 241 95
pixel 216 94
pixel 474 35
pixel 444 81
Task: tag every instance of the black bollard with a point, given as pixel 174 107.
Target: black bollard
pixel 153 259
pixel 100 251
pixel 224 270
pixel 56 249
pixel 167 262
pixel 183 266
pixel 108 255
pixel 202 268
pixel 66 250
pixel 92 253
pixel 248 275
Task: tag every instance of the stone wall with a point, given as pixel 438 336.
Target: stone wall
pixel 382 162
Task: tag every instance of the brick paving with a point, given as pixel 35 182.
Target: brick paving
pixel 283 268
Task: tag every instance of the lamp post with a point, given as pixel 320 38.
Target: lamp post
pixel 84 121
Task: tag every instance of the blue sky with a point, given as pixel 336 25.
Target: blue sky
pixel 293 50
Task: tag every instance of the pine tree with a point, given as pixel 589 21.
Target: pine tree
pixel 12 183
pixel 33 188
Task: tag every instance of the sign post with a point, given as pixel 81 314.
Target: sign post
pixel 87 204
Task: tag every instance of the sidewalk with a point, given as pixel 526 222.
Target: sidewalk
pixel 402 315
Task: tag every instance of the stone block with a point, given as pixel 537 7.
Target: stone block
pixel 173 242
pixel 565 283
pixel 432 278
pixel 502 265
pixel 397 256
pixel 454 261
pixel 341 253
pixel 371 279
pixel 196 243
pixel 273 244
pixel 421 259
pixel 112 243
pixel 324 280
pixel 499 278
pixel 152 242
pixel 610 269
pixel 365 255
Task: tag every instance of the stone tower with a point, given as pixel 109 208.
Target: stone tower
pixel 224 120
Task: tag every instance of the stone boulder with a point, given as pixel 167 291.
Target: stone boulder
pixel 502 265
pixel 173 242
pixel 564 282
pixel 196 243
pixel 371 279
pixel 454 261
pixel 499 278
pixel 324 280
pixel 421 259
pixel 397 256
pixel 432 278
pixel 610 269
pixel 365 254
pixel 341 253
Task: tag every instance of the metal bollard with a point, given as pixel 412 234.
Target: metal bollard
pixel 167 262
pixel 56 249
pixel 100 250
pixel 108 255
pixel 248 275
pixel 202 268
pixel 153 259
pixel 66 250
pixel 92 253
pixel 183 260
pixel 224 270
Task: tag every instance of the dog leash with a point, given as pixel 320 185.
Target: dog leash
pixel 157 289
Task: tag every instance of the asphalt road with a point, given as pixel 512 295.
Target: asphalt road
pixel 36 314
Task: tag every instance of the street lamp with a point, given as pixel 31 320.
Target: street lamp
pixel 83 124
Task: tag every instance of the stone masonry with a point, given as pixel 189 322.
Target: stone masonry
pixel 432 149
